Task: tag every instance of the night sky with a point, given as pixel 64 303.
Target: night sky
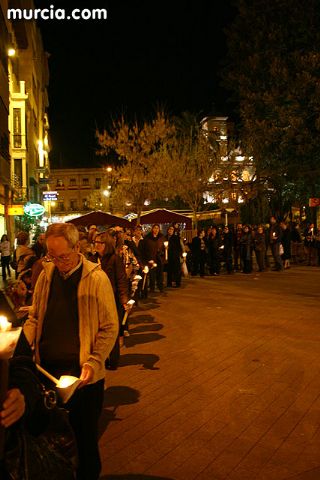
pixel 148 52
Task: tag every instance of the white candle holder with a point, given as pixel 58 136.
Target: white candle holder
pixel 65 386
pixel 130 304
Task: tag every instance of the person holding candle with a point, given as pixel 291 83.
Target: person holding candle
pixel 153 253
pixel 112 265
pixel 174 255
pixel 73 326
pixel 275 236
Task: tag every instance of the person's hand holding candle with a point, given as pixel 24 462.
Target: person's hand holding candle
pixel 86 375
pixel 13 407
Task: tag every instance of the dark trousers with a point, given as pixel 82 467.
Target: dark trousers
pixel 198 263
pixel 156 277
pixel 214 263
pixel 260 256
pixel 228 262
pixel 174 272
pixel 85 407
pixel 5 263
pixel 237 258
pixel 275 249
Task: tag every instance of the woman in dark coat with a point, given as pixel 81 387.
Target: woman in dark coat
pixel 174 255
pixel 246 245
pixel 286 244
pixel 260 247
pixel 153 252
pixel 214 252
pixel 227 244
pixel 113 266
pixel 199 253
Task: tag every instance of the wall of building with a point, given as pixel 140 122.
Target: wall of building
pixel 24 137
pixel 80 190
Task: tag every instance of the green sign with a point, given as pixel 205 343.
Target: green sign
pixel 34 209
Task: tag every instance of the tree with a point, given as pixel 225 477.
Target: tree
pixel 139 148
pixel 273 68
pixel 189 162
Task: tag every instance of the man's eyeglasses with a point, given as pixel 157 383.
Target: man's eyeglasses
pixel 60 258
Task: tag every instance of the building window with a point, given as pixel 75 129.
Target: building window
pixel 60 182
pixel 61 206
pixel 17 143
pixel 18 172
pixel 85 182
pixel 73 205
pixel 72 182
pixel 97 184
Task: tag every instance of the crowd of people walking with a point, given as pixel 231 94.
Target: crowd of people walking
pixel 74 289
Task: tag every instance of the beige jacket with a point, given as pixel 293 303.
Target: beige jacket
pixel 98 318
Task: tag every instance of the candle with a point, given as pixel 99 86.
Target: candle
pixel 8 337
pixel 130 304
pixel 166 244
pixel 8 341
pixel 4 324
pixel 145 273
pixel 66 380
pixel 66 385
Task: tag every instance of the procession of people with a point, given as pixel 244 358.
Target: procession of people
pixel 75 288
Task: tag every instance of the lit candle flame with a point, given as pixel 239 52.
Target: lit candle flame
pixel 66 380
pixel 4 324
pixel 146 269
pixel 184 254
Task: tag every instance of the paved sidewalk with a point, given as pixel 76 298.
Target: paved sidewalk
pixel 219 380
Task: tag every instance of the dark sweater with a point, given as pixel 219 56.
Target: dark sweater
pixel 60 342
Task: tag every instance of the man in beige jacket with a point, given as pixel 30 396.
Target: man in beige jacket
pixel 73 326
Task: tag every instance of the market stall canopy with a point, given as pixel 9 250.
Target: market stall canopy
pixel 99 218
pixel 163 216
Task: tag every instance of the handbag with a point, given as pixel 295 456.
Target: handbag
pixel 50 454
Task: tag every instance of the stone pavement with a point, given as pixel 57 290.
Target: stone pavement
pixel 219 380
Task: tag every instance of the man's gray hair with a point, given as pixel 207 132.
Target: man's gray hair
pixel 65 230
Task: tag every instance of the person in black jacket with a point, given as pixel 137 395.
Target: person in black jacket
pixel 174 255
pixel 214 252
pixel 153 252
pixel 113 266
pixel 246 246
pixel 260 247
pixel 275 236
pixel 286 244
pixel 199 254
pixel 227 244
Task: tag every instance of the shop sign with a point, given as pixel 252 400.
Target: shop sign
pixel 34 209
pixel 50 196
pixel 15 210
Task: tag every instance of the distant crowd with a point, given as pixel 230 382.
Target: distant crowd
pixel 140 262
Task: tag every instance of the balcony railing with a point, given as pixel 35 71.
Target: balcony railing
pixel 18 140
